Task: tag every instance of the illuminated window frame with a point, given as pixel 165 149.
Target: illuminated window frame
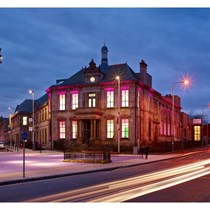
pixel 197 133
pixel 25 120
pixel 92 100
pixel 62 101
pixel 74 129
pixel 125 98
pixel 62 129
pixel 74 100
pixel 125 128
pixel 110 129
pixel 110 98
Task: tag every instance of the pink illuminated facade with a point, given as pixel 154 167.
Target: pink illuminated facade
pixel 84 107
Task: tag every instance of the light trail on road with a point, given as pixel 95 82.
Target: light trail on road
pixel 126 189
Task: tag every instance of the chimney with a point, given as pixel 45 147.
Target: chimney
pixel 143 71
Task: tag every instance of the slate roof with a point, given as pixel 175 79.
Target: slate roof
pixel 26 105
pixel 41 101
pixel 125 72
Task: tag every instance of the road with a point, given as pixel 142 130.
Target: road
pixel 162 181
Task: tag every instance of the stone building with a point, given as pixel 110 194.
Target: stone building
pixel 4 123
pixel 84 107
pixel 21 121
pixel 103 104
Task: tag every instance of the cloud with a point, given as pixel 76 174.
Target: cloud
pixel 42 45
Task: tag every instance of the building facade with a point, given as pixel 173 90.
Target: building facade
pixel 106 103
pixel 4 123
pixel 103 104
pixel 22 122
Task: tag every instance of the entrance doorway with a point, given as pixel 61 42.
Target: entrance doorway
pixel 86 131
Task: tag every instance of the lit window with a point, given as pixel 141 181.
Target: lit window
pixel 62 129
pixel 62 101
pixel 74 129
pixel 138 99
pixel 110 99
pixel 125 97
pixel 92 100
pixel 74 104
pixel 125 128
pixel 110 129
pixel 25 120
pixel 197 133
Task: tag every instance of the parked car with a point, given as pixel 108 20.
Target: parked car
pixel 2 146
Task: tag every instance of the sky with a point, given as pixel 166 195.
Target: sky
pixel 40 45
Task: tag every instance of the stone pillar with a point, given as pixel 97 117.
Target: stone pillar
pixel 94 129
pixel 80 135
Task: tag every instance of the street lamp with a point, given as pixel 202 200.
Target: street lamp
pixel 118 135
pixel 1 57
pixel 32 93
pixel 185 82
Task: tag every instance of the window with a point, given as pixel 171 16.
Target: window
pixel 91 100
pixel 110 129
pixel 74 129
pixel 164 129
pixel 138 100
pixel 161 127
pixel 125 97
pixel 197 133
pixel 110 99
pixel 74 101
pixel 169 129
pixel 62 129
pixel 25 120
pixel 62 101
pixel 125 128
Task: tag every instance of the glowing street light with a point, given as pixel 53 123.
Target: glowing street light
pixel 185 82
pixel 33 143
pixel 118 135
pixel 1 57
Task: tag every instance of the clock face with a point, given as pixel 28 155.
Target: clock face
pixel 92 79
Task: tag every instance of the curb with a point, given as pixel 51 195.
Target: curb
pixel 9 182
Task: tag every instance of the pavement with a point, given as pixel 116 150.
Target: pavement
pixel 49 164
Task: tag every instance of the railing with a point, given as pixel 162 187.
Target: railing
pixel 88 157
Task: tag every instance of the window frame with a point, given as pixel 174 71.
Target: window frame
pixel 74 129
pixel 62 129
pixel 110 128
pixel 61 101
pixel 125 125
pixel 110 98
pixel 92 100
pixel 25 121
pixel 124 97
pixel 74 100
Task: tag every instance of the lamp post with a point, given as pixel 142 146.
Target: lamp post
pixel 185 82
pixel 1 57
pixel 32 93
pixel 118 135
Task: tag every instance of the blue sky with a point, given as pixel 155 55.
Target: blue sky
pixel 40 45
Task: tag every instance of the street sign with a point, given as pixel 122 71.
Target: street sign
pixel 24 136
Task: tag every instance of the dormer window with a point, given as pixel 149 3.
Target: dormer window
pixel 93 73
